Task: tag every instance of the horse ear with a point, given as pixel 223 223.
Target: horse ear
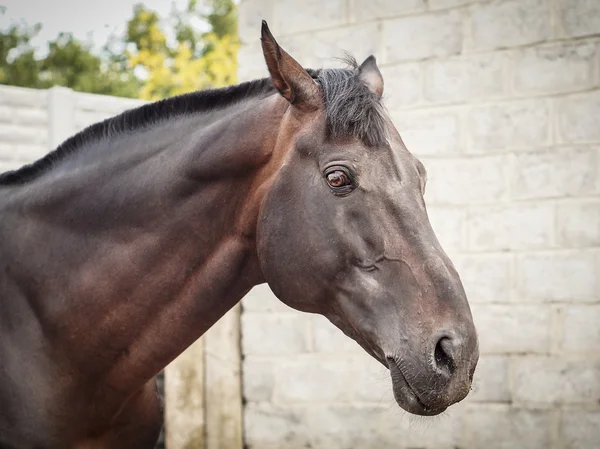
pixel 370 75
pixel 289 77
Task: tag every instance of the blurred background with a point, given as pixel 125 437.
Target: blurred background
pixel 500 99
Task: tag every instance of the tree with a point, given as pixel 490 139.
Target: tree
pixel 18 66
pixel 222 43
pixel 71 63
pixel 194 60
pixel 143 63
pixel 68 63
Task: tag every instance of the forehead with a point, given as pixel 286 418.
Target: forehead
pixel 316 141
pixel 353 124
pixel 351 109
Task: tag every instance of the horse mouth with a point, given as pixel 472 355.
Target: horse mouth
pixel 405 395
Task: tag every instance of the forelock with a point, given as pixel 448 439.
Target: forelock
pixel 352 110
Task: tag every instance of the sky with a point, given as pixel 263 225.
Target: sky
pixel 89 20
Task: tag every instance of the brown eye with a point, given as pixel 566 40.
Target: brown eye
pixel 338 179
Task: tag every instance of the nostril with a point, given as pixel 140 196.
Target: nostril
pixel 443 355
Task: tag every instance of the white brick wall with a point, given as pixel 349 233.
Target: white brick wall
pixel 501 101
pixel 24 132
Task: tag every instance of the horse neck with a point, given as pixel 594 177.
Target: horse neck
pixel 134 249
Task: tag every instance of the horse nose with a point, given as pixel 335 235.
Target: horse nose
pixel 445 354
pixel 453 363
pixel 455 355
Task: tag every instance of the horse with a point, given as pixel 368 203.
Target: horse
pixel 122 246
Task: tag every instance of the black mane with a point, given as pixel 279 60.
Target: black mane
pixel 351 110
pixel 131 119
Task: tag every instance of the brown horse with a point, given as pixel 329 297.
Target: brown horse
pixel 124 245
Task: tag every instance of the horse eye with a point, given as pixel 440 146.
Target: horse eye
pixel 337 179
pixel 340 180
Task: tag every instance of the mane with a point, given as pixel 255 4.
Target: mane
pixel 351 110
pixel 142 116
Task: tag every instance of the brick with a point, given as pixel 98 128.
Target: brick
pixel 345 426
pixel 517 124
pixel 23 97
pixel 580 429
pixel 400 430
pixel 578 117
pixel 513 226
pixel 251 62
pixel 318 379
pixel 405 40
pixel 512 328
pixel 103 104
pixel 509 23
pixel 258 379
pixel 323 49
pixel 17 134
pixel 557 277
pixel 250 14
pixel 6 114
pixel 581 330
pixel 27 153
pixel 441 4
pixel 313 15
pixel 578 18
pixel 377 9
pixel 490 383
pixel 330 339
pixel 466 79
pixel 272 334
pixel 22 153
pixel 565 380
pixel 303 48
pixel 486 277
pixel 83 119
pixel 270 426
pixel 359 40
pixel 7 165
pixel 557 172
pixel 6 151
pixel 369 380
pixel 463 181
pixel 448 224
pixel 262 299
pixel 403 85
pixel 578 224
pixel 30 116
pixel 184 391
pixel 503 427
pixel 62 115
pixel 429 132
pixel 556 68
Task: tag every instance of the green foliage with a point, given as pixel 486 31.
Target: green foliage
pixel 72 64
pixel 194 60
pixel 67 63
pixel 151 66
pixel 18 66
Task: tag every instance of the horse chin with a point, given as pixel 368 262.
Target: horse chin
pixel 406 397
